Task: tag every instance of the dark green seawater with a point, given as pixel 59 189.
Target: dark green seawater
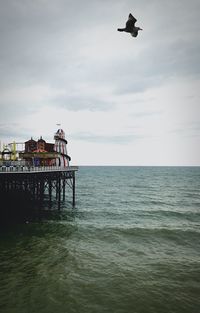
pixel 131 244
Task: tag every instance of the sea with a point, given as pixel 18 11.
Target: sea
pixel 131 244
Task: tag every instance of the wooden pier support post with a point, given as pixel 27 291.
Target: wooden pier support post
pixel 63 187
pixel 73 188
pixel 59 191
pixel 50 192
pixel 41 193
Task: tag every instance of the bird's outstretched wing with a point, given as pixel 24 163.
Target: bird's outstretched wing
pixel 131 21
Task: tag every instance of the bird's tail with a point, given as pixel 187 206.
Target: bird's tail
pixel 121 29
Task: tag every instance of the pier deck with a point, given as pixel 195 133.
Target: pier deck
pixel 38 181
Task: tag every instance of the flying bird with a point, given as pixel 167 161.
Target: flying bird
pixel 130 26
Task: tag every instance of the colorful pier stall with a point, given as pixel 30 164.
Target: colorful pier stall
pixel 39 170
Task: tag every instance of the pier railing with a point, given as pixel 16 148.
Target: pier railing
pixel 27 169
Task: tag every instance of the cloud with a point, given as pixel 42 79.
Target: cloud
pixel 83 103
pixel 104 139
pixel 14 131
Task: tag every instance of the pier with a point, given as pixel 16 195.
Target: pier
pixel 38 173
pixel 38 182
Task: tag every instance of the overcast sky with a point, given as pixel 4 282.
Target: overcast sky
pixel 120 100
